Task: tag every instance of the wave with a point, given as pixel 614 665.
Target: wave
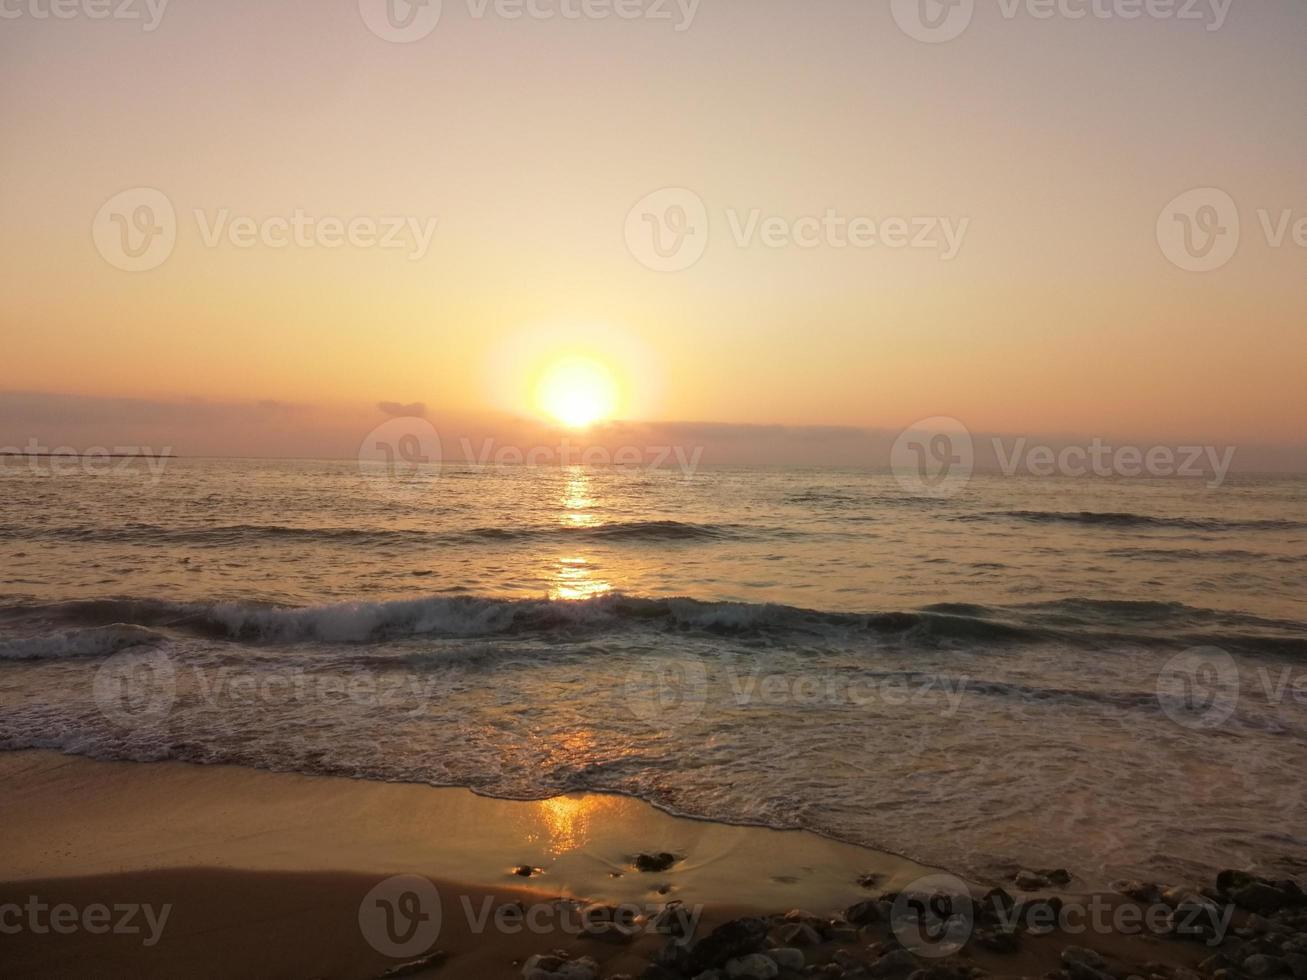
pixel 1113 519
pixel 1081 623
pixel 99 641
pixel 235 534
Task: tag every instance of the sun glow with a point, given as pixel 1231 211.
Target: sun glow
pixel 577 392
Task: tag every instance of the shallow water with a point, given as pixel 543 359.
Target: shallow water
pixel 1004 676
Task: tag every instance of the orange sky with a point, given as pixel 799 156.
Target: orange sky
pixel 528 142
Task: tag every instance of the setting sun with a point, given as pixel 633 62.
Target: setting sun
pixel 577 392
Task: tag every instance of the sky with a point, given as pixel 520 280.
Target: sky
pixel 783 221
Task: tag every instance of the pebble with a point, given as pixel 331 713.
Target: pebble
pixel 786 957
pixel 755 966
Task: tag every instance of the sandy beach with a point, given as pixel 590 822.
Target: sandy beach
pixel 170 869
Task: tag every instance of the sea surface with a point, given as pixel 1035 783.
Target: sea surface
pixel 1104 675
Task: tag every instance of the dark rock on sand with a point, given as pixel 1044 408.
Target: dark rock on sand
pixel 863 913
pixel 754 966
pixel 428 962
pixel 997 940
pixel 900 961
pixel 674 920
pixel 731 940
pixel 798 934
pixel 1084 964
pixel 1145 892
pixel 1262 896
pixel 1199 919
pixel 654 862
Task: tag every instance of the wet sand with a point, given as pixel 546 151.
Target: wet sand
pixel 282 875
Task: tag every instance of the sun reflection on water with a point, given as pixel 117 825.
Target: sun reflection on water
pixel 574 578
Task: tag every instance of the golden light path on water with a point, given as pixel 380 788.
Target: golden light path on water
pixel 574 578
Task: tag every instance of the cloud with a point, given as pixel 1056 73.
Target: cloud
pixel 397 410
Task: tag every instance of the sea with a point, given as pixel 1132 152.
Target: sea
pixel 1107 675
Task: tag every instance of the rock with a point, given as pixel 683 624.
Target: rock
pixel 654 862
pixel 842 934
pixel 997 902
pixel 755 966
pixel 1231 880
pixel 998 940
pixel 1261 965
pixel 524 871
pixel 1177 894
pixel 870 880
pixel 899 961
pixel 731 940
pixel 1258 896
pixel 1197 919
pixel 1057 876
pixel 1297 963
pixel 711 975
pixel 798 934
pixel 1029 881
pixel 428 962
pixel 551 967
pixel 1082 956
pixel 786 957
pixel 542 961
pixel 674 919
pixel 863 913
pixel 1145 892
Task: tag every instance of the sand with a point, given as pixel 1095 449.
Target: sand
pixel 237 872
pixel 266 871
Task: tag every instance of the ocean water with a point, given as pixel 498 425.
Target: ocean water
pixel 1103 675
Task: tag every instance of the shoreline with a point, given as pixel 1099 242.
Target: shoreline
pixel 234 871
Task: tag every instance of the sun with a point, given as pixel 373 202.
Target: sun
pixel 577 391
